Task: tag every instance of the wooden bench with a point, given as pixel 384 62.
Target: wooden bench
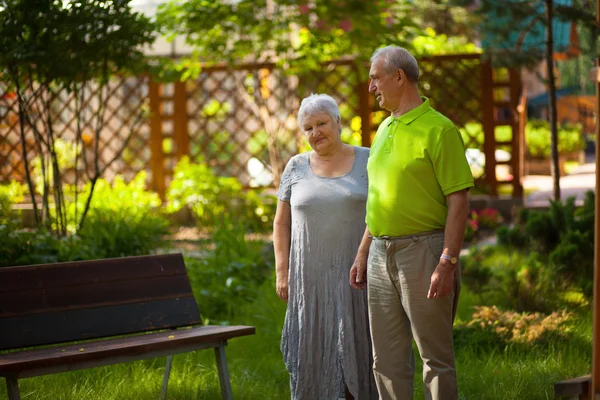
pixel 146 298
pixel 579 387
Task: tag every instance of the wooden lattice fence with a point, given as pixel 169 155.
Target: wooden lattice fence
pixel 124 124
pixel 241 120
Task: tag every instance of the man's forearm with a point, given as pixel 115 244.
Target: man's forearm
pixel 454 233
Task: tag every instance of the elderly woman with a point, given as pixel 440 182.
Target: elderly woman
pixel 319 224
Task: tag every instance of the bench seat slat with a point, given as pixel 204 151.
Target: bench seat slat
pixel 111 351
pixel 90 323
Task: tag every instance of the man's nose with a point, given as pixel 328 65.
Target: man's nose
pixel 372 87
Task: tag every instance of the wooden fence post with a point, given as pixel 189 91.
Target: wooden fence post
pixel 180 120
pixel 364 104
pixel 489 137
pixel 157 157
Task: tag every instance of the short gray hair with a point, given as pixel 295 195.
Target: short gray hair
pixel 395 57
pixel 318 103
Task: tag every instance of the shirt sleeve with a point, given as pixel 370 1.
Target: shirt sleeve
pixel 450 163
pixel 285 185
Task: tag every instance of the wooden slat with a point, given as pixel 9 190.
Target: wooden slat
pixel 180 120
pixel 573 387
pixel 91 323
pixel 75 297
pixel 157 159
pixel 487 105
pixel 112 351
pixel 28 277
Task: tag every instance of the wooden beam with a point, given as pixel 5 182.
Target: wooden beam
pixel 596 300
pixel 364 104
pixel 489 137
pixel 180 120
pixel 516 161
pixel 157 161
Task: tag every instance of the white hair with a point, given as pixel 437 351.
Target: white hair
pixel 394 58
pixel 318 103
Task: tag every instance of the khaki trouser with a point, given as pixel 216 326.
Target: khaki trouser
pixel 398 275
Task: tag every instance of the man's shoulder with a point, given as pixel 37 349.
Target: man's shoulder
pixel 436 118
pixel 437 123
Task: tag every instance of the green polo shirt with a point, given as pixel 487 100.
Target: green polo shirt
pixel 416 160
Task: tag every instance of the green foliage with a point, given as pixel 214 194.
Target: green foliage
pixel 537 136
pixel 22 247
pixel 433 44
pixel 214 199
pixel 55 48
pixel 229 273
pixel 512 279
pixel 11 193
pixel 491 327
pixel 308 33
pixel 515 31
pixel 481 220
pixel 564 235
pixel 71 41
pixel 123 221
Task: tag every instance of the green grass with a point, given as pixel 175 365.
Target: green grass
pixel 257 370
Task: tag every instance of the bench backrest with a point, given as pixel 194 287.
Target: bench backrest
pixel 53 303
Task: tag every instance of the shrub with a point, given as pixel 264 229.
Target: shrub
pixel 212 197
pixel 123 220
pixel 523 328
pixel 229 273
pixel 10 194
pixel 537 137
pixel 563 235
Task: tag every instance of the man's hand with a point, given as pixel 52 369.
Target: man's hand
pixel 358 273
pixel 281 287
pixel 442 281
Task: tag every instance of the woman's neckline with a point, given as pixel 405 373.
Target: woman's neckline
pixel 332 177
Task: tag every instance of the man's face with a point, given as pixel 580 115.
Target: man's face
pixel 386 87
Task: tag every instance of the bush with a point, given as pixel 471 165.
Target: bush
pixel 491 326
pixel 229 273
pixel 484 219
pixel 537 137
pixel 20 247
pixel 563 237
pixel 10 194
pixel 212 197
pixel 122 221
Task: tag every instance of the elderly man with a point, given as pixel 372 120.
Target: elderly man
pixel 417 208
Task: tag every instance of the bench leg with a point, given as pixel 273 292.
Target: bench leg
pixel 223 373
pixel 12 388
pixel 163 392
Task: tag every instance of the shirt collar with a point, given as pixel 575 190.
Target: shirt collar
pixel 413 114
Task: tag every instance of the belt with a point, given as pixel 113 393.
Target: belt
pixel 411 236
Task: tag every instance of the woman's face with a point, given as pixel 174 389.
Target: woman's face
pixel 321 131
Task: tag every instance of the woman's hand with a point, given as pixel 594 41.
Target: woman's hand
pixel 282 287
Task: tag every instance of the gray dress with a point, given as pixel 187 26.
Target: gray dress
pixel 325 342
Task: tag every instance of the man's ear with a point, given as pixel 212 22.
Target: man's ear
pixel 399 74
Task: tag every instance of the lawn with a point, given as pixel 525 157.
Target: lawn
pixel 257 370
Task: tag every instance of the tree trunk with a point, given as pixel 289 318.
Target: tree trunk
pixel 552 102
